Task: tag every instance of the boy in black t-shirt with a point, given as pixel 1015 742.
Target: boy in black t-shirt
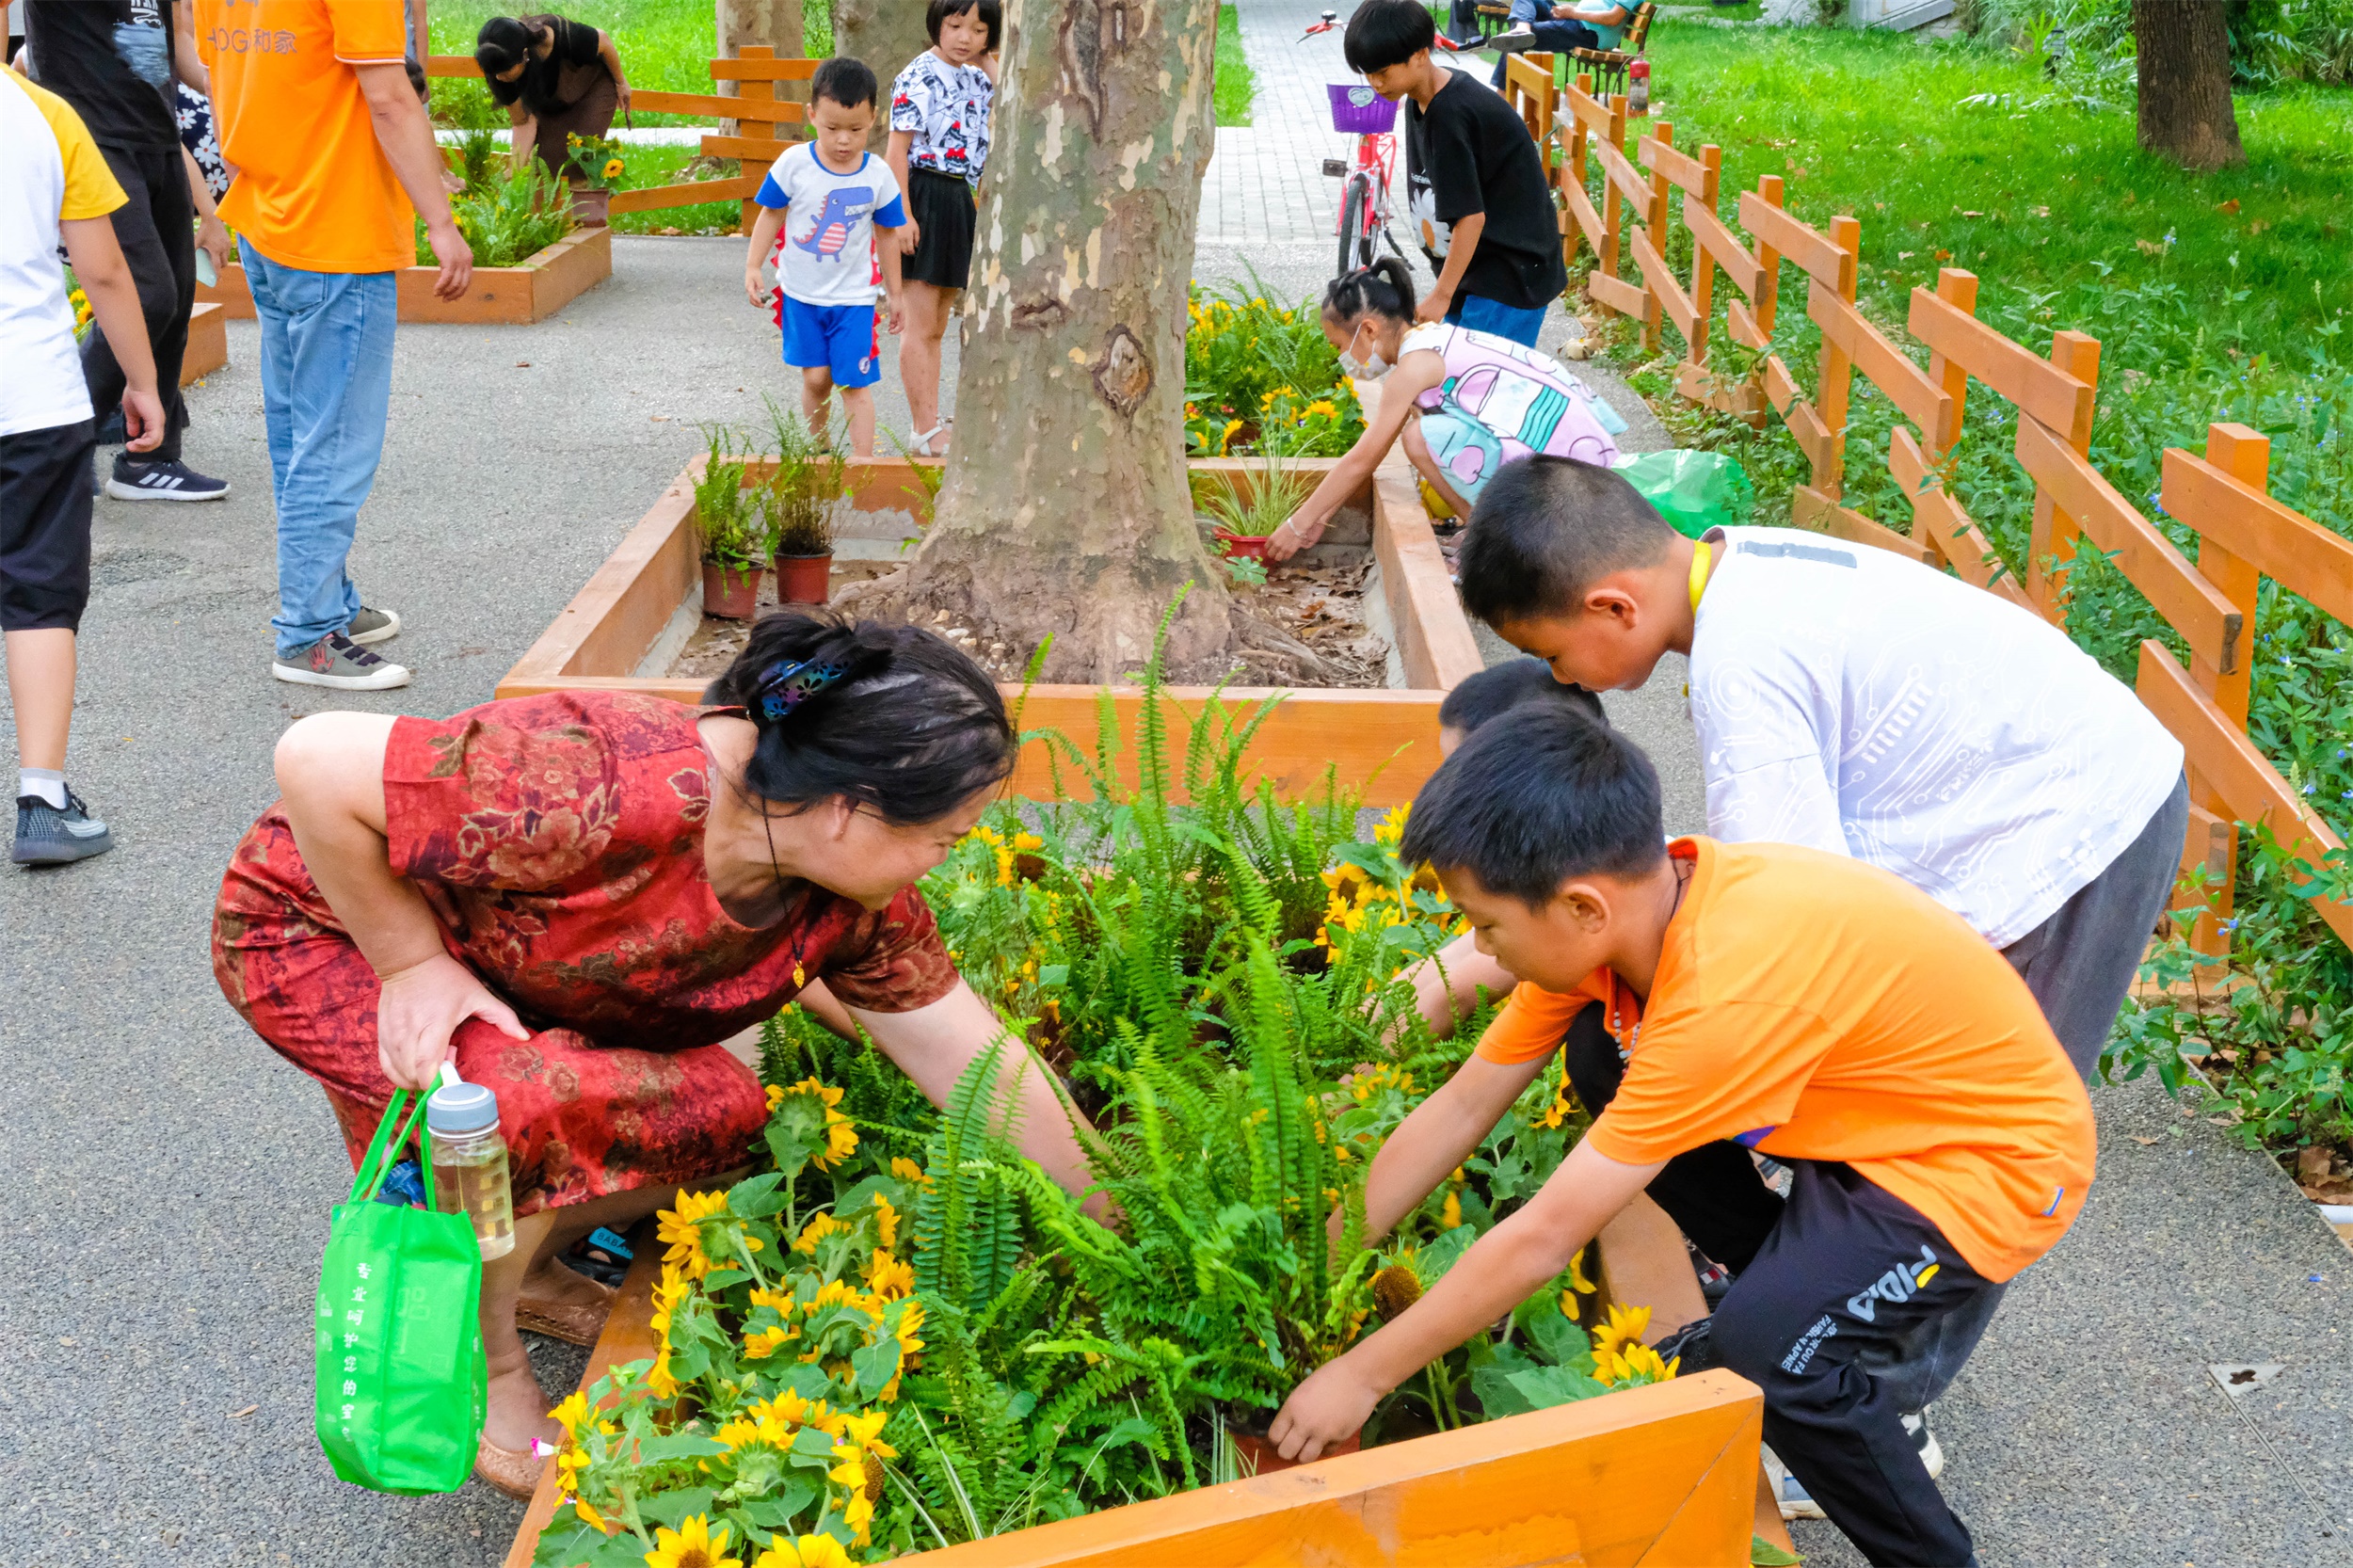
pixel 1474 179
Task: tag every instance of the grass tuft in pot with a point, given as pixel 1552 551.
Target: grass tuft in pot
pixel 730 525
pixel 1261 500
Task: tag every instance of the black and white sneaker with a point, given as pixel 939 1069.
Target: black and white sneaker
pixel 1924 1441
pixel 48 835
pixel 172 481
pixel 336 660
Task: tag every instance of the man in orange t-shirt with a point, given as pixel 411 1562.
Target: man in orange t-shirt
pixel 1803 1005
pixel 327 147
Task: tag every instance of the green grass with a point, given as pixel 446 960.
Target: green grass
pixel 1234 83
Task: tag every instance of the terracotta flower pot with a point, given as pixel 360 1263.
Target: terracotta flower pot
pixel 1260 1457
pixel 804 578
pixel 730 595
pixel 1244 547
pixel 591 204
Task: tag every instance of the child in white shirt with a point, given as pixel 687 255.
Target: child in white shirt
pixel 826 196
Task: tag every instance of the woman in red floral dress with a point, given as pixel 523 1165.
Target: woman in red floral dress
pixel 579 895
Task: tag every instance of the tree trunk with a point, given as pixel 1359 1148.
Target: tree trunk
pixel 1067 508
pixel 885 34
pixel 2185 61
pixel 773 23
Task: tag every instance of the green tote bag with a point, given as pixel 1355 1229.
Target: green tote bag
pixel 401 1381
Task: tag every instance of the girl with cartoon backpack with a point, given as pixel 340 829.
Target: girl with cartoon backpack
pixel 1481 400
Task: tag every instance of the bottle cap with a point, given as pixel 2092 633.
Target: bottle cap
pixel 461 1108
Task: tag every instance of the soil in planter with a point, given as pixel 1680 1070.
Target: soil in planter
pixel 1321 605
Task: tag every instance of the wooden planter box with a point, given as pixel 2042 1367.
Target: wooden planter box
pixel 623 628
pixel 498 295
pixel 1665 1476
pixel 208 343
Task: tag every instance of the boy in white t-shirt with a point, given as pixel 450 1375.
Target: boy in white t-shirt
pixel 826 196
pixel 1857 702
pixel 54 186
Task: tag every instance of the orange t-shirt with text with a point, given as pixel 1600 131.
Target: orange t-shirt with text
pixel 1814 1007
pixel 313 188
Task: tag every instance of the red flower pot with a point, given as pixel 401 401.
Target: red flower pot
pixel 1260 1457
pixel 591 206
pixel 1244 547
pixel 804 578
pixel 730 595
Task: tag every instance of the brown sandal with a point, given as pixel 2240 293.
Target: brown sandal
pixel 575 1322
pixel 515 1473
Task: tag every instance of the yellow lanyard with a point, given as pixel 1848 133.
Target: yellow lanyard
pixel 1702 552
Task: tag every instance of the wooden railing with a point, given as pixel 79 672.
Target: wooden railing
pixel 759 112
pixel 2242 535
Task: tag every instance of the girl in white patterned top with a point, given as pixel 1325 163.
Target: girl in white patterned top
pixel 938 144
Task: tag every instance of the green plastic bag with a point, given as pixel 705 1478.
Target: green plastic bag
pixel 401 1380
pixel 1694 492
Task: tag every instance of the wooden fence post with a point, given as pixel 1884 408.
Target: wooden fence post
pixel 1768 284
pixel 1837 370
pixel 1654 221
pixel 2245 456
pixel 1703 263
pixel 2051 544
pixel 1612 249
pixel 757 130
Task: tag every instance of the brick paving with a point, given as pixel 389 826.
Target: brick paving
pixel 1266 182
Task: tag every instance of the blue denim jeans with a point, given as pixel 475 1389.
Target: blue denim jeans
pixel 1493 315
pixel 327 384
pixel 1557 37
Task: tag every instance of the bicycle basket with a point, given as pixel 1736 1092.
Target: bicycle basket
pixel 1359 111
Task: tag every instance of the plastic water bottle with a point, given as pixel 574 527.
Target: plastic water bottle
pixel 1637 88
pixel 470 1161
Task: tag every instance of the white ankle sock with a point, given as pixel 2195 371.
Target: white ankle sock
pixel 45 782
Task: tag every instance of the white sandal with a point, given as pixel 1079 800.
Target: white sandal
pixel 923 447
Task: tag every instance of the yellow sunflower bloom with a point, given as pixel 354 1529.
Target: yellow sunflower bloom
pixel 569 1415
pixel 888 1277
pixel 1623 1327
pixel 808 1551
pixel 681 1230
pixel 613 168
pixel 693 1545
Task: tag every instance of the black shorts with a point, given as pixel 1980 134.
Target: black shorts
pixel 44 527
pixel 942 205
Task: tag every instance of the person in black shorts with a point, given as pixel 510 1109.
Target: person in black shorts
pixel 938 144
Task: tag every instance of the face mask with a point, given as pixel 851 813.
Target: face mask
pixel 1370 369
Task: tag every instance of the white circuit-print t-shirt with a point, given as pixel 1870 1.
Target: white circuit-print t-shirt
pixel 1855 702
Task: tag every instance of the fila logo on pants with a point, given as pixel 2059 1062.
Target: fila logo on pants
pixel 1898 1285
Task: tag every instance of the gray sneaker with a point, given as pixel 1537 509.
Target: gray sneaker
pixel 50 836
pixel 336 660
pixel 371 627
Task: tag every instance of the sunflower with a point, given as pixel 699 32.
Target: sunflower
pixel 1635 1363
pixel 888 1277
pixel 1395 1288
pixel 569 1415
pixel 861 1453
pixel 589 1517
pixel 683 1229
pixel 885 1225
pixel 1623 1327
pixel 841 1137
pixel 808 1551
pixel 613 168
pixel 693 1545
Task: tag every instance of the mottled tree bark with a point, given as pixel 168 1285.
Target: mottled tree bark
pixel 1066 510
pixel 885 34
pixel 2183 49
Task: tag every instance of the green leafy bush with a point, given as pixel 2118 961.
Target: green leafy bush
pixel 509 219
pixel 1262 378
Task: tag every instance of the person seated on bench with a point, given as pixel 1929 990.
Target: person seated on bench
pixel 1804 1005
pixel 1538 26
pixel 1483 400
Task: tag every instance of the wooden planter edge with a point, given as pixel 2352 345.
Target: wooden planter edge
pixel 208 343
pixel 1380 740
pixel 542 284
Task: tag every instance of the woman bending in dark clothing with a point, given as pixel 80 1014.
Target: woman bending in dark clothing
pixel 558 78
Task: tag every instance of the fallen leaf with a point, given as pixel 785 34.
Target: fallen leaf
pixel 2144 1142
pixel 2311 1162
pixel 2230 206
pixel 2257 227
pixel 2130 199
pixel 1943 255
pixel 2042 211
pixel 522 364
pixel 2149 248
pixel 241 1415
pixel 1969 215
pixel 657 419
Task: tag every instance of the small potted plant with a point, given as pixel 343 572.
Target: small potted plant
pixel 1247 513
pixel 797 505
pixel 595 167
pixel 732 531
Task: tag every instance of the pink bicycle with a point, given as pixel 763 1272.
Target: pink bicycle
pixel 1363 221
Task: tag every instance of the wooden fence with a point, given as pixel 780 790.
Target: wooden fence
pixel 758 113
pixel 2242 533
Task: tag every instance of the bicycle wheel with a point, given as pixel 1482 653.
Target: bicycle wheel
pixel 1357 240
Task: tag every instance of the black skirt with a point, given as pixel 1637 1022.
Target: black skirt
pixel 942 205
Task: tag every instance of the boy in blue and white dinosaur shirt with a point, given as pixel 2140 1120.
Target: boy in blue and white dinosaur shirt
pixel 825 198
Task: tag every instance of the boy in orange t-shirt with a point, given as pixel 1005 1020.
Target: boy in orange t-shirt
pixel 1800 1003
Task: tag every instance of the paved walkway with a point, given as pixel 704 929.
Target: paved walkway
pixel 1266 180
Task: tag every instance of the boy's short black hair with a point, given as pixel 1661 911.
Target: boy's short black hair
pixel 1525 806
pixel 1492 693
pixel 991 13
pixel 1383 33
pixel 844 81
pixel 1546 529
